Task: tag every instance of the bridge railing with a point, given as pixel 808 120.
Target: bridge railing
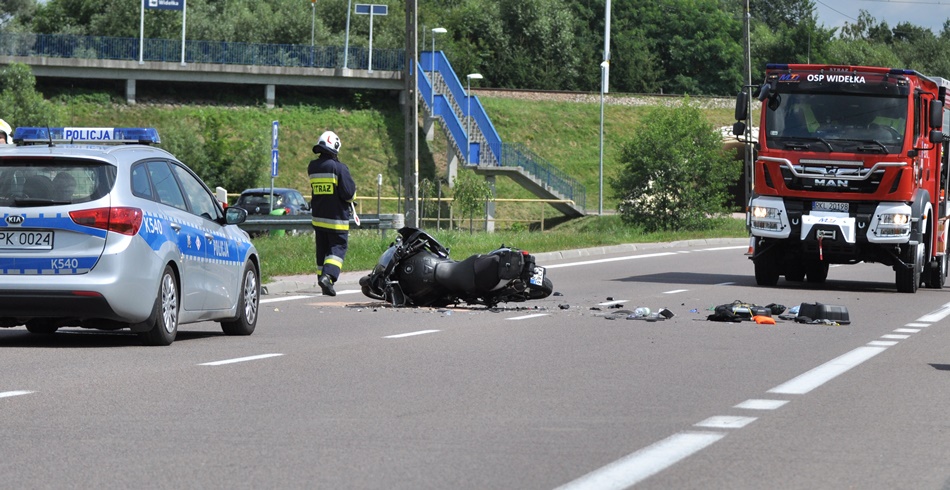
pixel 519 155
pixel 169 50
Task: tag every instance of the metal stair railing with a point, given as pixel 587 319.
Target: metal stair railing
pixel 553 179
pixel 452 100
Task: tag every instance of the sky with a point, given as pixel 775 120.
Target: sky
pixel 924 13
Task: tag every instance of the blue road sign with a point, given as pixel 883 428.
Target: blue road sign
pixel 364 9
pixel 273 137
pixel 273 162
pixel 165 4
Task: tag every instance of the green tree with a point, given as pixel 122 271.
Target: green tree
pixel 470 194
pixel 675 174
pixel 233 162
pixel 778 14
pixel 15 14
pixel 22 104
pixel 696 42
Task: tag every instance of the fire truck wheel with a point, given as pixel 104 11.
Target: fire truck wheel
pixel 766 270
pixel 817 270
pixel 908 278
pixel 938 272
pixel 794 272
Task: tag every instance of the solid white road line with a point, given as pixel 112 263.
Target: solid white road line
pixel 675 291
pixel 638 466
pixel 826 372
pixel 239 359
pixel 410 334
pixel 7 394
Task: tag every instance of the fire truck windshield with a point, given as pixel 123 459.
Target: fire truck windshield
pixel 836 122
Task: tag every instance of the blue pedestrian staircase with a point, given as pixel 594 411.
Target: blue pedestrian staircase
pixel 473 138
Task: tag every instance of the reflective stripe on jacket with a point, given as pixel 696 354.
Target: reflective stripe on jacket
pixel 332 189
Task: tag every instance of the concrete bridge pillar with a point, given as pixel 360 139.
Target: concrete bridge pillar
pixel 270 95
pixel 452 169
pixel 130 91
pixel 490 206
pixel 428 127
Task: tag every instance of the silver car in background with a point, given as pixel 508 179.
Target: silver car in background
pixel 102 230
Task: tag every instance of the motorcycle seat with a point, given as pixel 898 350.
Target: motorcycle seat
pixel 478 273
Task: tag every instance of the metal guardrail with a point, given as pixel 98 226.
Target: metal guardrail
pixel 302 222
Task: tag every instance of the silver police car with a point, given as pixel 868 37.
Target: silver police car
pixel 102 230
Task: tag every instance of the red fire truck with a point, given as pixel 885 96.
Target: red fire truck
pixel 850 166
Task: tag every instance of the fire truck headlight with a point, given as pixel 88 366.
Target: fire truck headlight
pixel 766 218
pixel 761 212
pixel 895 219
pixel 893 225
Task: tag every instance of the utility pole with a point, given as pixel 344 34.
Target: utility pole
pixel 748 133
pixel 411 112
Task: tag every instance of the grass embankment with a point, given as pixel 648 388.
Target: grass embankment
pixel 291 255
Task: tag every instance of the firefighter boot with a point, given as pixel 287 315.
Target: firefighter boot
pixel 326 285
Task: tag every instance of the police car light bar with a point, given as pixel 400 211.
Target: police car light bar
pixel 34 135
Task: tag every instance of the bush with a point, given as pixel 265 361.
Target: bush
pixel 675 173
pixel 22 104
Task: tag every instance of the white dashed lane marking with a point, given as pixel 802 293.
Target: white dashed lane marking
pixel 7 394
pixel 525 317
pixel 410 334
pixel 726 422
pixel 757 404
pixel 239 359
pixel 639 466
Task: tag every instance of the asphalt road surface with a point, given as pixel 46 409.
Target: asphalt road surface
pixel 345 392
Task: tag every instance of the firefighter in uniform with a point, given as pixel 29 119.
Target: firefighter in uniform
pixel 333 191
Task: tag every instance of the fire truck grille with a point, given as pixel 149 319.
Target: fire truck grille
pixel 829 181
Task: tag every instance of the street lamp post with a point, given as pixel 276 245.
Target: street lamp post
pixel 468 115
pixel 313 20
pixel 435 30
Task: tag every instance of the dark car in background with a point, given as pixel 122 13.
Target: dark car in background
pixel 258 201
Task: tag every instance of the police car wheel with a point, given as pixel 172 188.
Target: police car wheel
pixel 164 319
pixel 248 303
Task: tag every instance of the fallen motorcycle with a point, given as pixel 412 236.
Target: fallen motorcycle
pixel 416 271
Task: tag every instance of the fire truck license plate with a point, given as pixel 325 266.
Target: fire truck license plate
pixel 830 206
pixel 537 278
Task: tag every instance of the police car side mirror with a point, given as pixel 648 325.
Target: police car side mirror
pixel 235 216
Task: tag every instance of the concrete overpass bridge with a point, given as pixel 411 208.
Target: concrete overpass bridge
pixel 472 138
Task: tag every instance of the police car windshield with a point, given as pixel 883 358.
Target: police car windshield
pixel 835 122
pixel 27 183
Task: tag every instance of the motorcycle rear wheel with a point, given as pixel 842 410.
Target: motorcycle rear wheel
pixel 542 291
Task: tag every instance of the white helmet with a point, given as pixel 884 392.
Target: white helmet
pixel 328 141
pixel 7 130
